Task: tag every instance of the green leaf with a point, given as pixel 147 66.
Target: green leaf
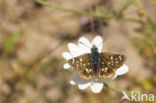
pixel 10 43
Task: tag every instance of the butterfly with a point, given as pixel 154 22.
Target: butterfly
pixel 97 65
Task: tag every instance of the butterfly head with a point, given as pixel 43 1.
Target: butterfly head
pixel 94 49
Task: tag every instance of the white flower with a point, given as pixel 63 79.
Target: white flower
pixel 84 47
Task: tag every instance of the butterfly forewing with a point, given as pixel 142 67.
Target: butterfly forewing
pixel 109 63
pixel 113 61
pixel 82 65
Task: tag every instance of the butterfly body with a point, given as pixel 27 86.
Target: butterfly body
pixel 96 65
pixel 95 59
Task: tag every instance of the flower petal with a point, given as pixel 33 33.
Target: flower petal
pixel 122 70
pixel 67 55
pixel 67 67
pixel 98 42
pixel 74 49
pixel 109 79
pixel 84 41
pixel 84 44
pixel 72 82
pixel 84 85
pixel 77 80
pixel 96 87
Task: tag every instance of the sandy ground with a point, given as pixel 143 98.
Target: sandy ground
pixel 44 28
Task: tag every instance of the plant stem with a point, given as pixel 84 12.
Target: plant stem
pixel 11 43
pixel 117 90
pixel 102 15
pixel 106 16
pixel 125 6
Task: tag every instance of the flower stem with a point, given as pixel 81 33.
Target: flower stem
pixel 117 90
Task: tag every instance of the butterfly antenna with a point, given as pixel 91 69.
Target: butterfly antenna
pixel 84 45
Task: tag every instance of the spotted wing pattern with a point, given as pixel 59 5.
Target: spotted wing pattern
pixel 104 71
pixel 109 63
pixel 114 61
pixel 82 65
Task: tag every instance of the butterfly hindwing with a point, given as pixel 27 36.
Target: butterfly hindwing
pixel 82 65
pixel 104 71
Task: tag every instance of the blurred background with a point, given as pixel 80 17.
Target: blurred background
pixel 33 37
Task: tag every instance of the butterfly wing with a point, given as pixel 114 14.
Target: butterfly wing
pixel 104 71
pixel 109 63
pixel 82 65
pixel 114 61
